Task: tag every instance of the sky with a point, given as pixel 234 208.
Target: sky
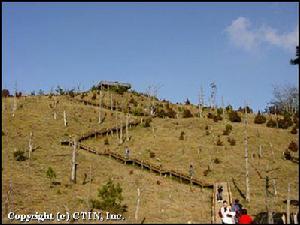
pixel 244 48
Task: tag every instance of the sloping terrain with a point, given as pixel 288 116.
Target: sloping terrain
pixel 168 201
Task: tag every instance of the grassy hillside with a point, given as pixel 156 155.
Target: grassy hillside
pixel 169 201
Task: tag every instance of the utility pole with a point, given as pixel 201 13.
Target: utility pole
pixel 15 101
pixel 246 158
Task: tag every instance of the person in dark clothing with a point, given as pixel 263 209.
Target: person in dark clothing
pixel 220 193
pixel 191 171
pixel 127 152
pixel 237 208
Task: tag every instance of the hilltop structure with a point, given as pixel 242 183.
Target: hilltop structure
pixel 113 84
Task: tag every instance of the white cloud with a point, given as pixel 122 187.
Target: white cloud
pixel 241 35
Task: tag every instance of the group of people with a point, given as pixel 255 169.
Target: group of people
pixel 235 214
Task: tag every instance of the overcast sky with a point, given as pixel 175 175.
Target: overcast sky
pixel 244 48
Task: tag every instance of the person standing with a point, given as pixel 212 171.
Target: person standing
pixel 220 193
pixel 237 208
pixel 244 218
pixel 226 214
pixel 191 171
pixel 127 152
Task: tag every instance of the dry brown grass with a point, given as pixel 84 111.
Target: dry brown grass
pixel 168 202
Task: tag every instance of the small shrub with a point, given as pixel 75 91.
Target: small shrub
pixel 19 155
pixel 296 120
pixel 187 113
pixel 293 146
pixel 293 131
pixel 152 154
pixel 181 135
pixel 119 89
pixel 50 174
pixel 219 142
pixel 206 172
pixel 271 123
pixel 111 198
pixel 226 132
pixel 228 127
pixel 219 111
pixel 106 141
pixel 242 110
pixel 206 127
pixel 187 102
pixel 71 93
pixel 147 122
pixel 171 113
pixel 18 94
pixel 5 93
pixel 287 155
pixel 228 108
pixel 259 118
pixel 231 141
pixel 160 113
pixel 94 96
pixel 217 118
pixel 133 101
pixel 217 161
pixel 207 132
pixel 138 112
pixel 285 123
pixel 234 117
pixel 210 116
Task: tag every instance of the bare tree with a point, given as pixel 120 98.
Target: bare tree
pixel 65 118
pixel 137 204
pixel 121 130
pixel 30 145
pixel 288 202
pixel 55 105
pixel 100 107
pixel 213 93
pixel 127 121
pixel 111 102
pixel 201 102
pixel 74 164
pixel 285 98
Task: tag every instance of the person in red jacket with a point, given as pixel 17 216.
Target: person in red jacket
pixel 244 218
